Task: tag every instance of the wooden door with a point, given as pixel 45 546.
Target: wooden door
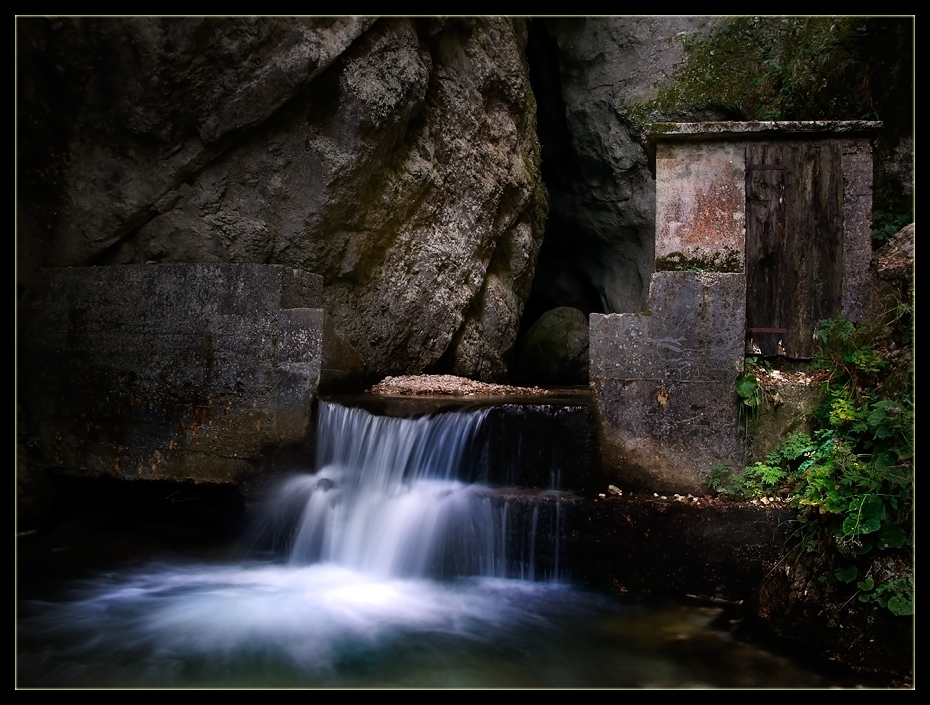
pixel 794 245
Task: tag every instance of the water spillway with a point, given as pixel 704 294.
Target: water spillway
pixel 398 496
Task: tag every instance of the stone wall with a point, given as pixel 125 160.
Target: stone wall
pixel 663 382
pixel 181 372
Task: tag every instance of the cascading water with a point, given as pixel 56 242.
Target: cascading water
pixel 390 567
pixel 388 500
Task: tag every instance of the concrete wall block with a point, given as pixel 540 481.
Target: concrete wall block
pixel 187 372
pixel 666 436
pixel 620 347
pixel 696 331
pixel 664 384
pixel 701 202
pixel 699 321
pixel 300 289
pixel 341 367
pixel 298 353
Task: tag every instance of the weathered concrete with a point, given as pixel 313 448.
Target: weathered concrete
pixel 182 372
pixel 701 205
pixel 857 218
pixel 664 382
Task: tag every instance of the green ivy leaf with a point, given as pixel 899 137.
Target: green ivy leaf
pixel 890 536
pixel 847 574
pixel 901 605
pixel 748 389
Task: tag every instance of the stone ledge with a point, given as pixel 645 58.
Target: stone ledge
pixel 765 129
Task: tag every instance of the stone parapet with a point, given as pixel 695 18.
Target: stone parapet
pixel 764 129
pixel 182 372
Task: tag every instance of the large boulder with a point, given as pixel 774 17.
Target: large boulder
pixel 555 349
pixel 397 158
pixel 894 265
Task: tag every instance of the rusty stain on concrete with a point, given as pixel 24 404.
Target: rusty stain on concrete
pixel 701 196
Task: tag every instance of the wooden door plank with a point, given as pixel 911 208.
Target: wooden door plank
pixel 794 238
pixel 765 244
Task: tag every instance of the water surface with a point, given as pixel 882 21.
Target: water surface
pixel 384 567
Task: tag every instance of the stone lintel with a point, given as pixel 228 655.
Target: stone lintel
pixel 758 130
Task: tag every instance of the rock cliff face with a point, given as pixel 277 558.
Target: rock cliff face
pixel 599 241
pixel 396 158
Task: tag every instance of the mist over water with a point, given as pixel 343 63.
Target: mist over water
pixel 381 569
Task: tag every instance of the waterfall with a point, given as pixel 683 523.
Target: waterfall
pixel 349 596
pixel 388 499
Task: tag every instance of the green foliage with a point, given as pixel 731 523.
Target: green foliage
pixel 786 68
pixel 850 353
pixel 759 480
pixel 855 475
pixel 750 394
pixel 897 594
pixel 749 391
pixel 846 573
pixel 885 224
pixel 719 478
